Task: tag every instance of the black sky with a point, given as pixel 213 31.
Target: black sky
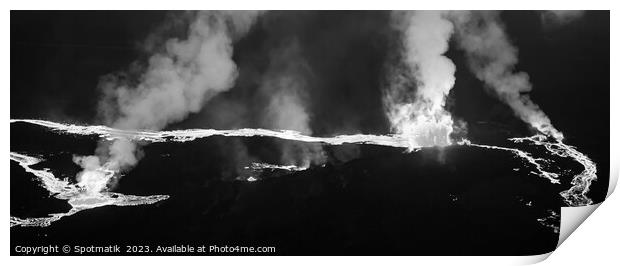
pixel 57 58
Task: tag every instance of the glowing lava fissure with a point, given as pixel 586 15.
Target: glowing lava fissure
pixel 398 141
pixel 576 195
pixel 80 198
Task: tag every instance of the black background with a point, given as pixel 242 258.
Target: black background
pixel 58 57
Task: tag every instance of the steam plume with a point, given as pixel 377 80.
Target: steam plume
pixel 286 86
pixel 492 58
pixel 552 18
pixel 177 81
pixel 424 121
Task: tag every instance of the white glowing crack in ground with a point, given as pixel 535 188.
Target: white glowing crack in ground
pixel 259 167
pixel 536 162
pixel 576 195
pixel 76 197
pixel 262 166
pixel 192 134
pixel 79 200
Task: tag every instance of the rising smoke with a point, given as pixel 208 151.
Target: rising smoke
pixel 186 72
pixel 553 18
pixel 492 58
pixel 177 81
pixel 286 87
pixel 419 114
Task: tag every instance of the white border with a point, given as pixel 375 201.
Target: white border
pixel 595 244
pixel 313 5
